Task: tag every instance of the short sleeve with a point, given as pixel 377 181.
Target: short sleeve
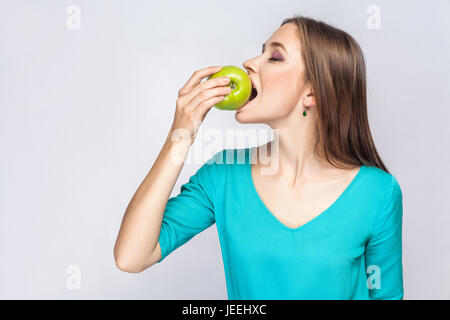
pixel 384 250
pixel 190 212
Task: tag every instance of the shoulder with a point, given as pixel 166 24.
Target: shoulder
pixel 224 162
pixel 384 189
pixel 379 180
pixel 231 156
pixel 222 168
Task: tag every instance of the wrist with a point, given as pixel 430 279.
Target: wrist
pixel 177 147
pixel 179 138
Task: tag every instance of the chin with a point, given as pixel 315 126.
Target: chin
pixel 242 118
pixel 246 114
pixel 249 117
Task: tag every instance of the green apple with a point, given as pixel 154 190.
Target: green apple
pixel 241 88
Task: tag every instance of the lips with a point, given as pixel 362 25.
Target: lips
pixel 254 90
pixel 252 95
pixel 246 105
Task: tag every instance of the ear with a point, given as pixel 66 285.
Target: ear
pixel 309 99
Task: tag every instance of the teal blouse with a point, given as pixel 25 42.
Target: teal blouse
pixel 352 250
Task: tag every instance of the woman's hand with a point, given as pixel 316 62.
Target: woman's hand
pixel 194 101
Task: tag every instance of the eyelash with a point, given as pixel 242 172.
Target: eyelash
pixel 274 59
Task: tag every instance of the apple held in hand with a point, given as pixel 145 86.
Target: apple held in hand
pixel 241 88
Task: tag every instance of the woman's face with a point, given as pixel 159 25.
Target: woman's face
pixel 277 76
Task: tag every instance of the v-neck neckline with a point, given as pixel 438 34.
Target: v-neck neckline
pixel 309 222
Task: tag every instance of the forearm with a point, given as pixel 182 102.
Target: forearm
pixel 142 220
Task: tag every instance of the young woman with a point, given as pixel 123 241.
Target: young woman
pixel 327 224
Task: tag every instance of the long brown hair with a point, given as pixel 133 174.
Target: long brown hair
pixel 335 68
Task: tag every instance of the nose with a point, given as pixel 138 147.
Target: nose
pixel 250 66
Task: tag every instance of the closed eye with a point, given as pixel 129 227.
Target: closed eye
pixel 274 59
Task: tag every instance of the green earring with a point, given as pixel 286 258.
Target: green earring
pixel 304 111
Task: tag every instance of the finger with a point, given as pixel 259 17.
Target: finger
pixel 208 84
pixel 207 94
pixel 203 108
pixel 196 77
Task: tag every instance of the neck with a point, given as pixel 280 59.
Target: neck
pixel 293 144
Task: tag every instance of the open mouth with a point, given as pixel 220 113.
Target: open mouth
pixel 252 97
pixel 254 94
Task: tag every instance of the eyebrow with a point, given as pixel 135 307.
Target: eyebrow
pixel 274 44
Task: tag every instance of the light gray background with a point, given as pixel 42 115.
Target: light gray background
pixel 85 112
